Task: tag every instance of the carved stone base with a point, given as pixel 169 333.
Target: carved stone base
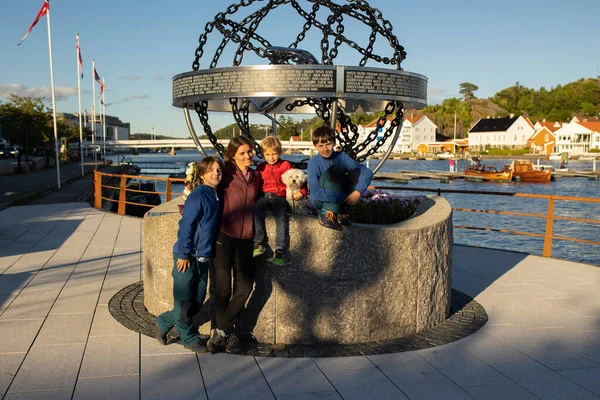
pixel 367 283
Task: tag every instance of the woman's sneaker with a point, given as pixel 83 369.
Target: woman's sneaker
pixel 259 250
pixel 233 345
pixel 217 342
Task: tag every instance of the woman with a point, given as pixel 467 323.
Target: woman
pixel 240 187
pixel 198 228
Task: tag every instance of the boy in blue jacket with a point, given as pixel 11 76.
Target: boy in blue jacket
pixel 335 180
pixel 195 245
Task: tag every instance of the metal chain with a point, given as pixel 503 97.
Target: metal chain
pixel 202 111
pixel 307 25
pixel 242 121
pixel 396 122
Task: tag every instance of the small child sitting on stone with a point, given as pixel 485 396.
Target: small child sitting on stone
pixel 335 180
pixel 273 196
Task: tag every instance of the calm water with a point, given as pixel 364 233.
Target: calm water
pixel 162 165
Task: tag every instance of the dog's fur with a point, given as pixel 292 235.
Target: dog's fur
pixel 294 180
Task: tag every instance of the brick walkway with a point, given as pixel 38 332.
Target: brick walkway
pixel 61 264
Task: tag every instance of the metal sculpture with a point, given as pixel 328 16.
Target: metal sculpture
pixel 295 81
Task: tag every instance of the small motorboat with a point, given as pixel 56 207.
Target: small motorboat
pixel 487 172
pixel 524 171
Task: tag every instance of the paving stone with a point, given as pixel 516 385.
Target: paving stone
pixel 499 392
pixel 31 304
pixel 328 364
pixel 17 336
pixel 542 381
pixel 310 396
pixel 589 378
pixel 105 325
pixel 113 388
pixel 439 390
pixel 361 384
pixel 293 376
pixel 158 381
pixel 43 395
pixel 9 364
pixel 65 329
pixel 249 382
pixel 111 356
pixel 49 368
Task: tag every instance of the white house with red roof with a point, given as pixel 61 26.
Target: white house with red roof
pixel 578 136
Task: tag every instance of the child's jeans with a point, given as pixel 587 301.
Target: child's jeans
pixel 278 206
pixel 337 180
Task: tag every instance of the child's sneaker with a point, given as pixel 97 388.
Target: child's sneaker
pixel 196 348
pixel 329 220
pixel 278 260
pixel 233 345
pixel 259 250
pixel 160 336
pixel 344 220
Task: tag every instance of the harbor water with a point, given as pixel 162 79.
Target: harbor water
pixel 160 164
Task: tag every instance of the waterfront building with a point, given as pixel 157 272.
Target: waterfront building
pixel 415 130
pixel 578 137
pixel 115 128
pixel 543 141
pixel 499 133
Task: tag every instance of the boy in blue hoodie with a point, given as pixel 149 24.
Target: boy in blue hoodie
pixel 195 245
pixel 335 180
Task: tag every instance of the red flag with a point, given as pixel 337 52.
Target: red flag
pixel 40 14
pixel 79 57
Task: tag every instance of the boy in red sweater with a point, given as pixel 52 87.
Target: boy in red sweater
pixel 273 195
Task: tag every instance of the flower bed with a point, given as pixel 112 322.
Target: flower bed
pixel 380 208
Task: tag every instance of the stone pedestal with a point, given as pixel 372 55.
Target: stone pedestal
pixel 367 283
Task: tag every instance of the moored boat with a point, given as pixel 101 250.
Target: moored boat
pixel 524 171
pixel 488 172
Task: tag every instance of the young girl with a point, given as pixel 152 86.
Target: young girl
pixel 273 195
pixel 194 246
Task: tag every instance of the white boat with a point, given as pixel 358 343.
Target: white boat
pixel 543 167
pixel 555 157
pixel 444 156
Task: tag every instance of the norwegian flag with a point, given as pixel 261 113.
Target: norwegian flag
pixel 99 80
pixel 43 11
pixel 79 57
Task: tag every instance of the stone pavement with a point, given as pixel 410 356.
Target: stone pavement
pixel 23 188
pixel 61 264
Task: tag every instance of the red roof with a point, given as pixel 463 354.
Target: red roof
pixel 594 126
pixel 549 125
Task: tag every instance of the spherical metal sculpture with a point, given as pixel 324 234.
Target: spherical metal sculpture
pixel 292 80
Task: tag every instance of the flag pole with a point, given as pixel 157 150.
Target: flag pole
pixel 79 104
pixel 53 101
pixel 94 113
pixel 104 120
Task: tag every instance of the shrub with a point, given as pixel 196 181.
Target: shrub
pixel 380 208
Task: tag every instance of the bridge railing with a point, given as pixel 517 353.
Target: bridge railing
pixel 122 189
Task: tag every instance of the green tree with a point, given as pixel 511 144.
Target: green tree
pixel 25 121
pixel 467 90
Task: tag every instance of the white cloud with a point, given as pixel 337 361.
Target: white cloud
pixel 128 98
pixel 60 92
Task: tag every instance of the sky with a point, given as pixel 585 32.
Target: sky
pixel 139 46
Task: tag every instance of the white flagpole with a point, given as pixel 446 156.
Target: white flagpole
pixel 94 112
pixel 53 101
pixel 79 100
pixel 104 120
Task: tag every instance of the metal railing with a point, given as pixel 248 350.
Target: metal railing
pixel 549 216
pixel 123 189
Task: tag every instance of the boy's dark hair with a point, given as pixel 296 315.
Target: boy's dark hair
pixel 206 163
pixel 234 144
pixel 323 134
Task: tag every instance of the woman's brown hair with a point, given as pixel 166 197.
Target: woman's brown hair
pixel 234 145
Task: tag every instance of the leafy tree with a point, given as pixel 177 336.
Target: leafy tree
pixel 25 121
pixel 467 89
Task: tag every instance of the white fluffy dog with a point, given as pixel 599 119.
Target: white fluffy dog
pixel 294 180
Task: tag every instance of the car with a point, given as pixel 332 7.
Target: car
pixel 11 151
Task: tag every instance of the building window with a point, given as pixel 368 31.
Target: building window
pixel 546 137
pixel 515 138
